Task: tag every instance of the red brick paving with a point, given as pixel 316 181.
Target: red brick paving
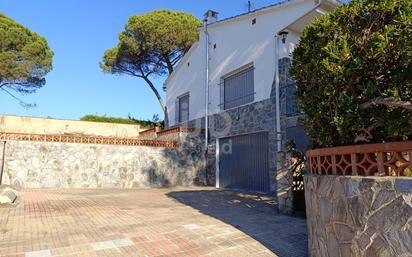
pixel 154 222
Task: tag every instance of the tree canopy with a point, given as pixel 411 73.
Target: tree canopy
pixel 151 45
pixel 354 73
pixel 25 58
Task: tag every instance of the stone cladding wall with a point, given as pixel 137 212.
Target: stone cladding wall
pixel 30 164
pixel 359 216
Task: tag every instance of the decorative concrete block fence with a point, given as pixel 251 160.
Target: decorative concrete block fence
pixel 359 201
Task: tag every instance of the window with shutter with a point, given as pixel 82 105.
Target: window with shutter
pixel 183 108
pixel 238 89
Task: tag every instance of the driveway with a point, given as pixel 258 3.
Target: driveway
pixel 148 222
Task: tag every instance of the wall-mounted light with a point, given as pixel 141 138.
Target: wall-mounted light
pixel 283 35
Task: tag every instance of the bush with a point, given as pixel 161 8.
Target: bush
pixel 353 70
pixel 130 120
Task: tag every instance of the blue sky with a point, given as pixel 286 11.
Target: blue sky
pixel 78 32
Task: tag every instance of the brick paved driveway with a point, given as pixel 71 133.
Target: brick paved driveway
pixel 154 222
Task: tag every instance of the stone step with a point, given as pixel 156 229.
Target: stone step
pixel 7 195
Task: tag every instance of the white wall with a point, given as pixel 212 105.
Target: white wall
pixel 238 43
pixel 189 78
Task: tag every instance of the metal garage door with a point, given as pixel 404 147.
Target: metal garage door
pixel 243 162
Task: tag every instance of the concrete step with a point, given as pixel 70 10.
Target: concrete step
pixel 7 195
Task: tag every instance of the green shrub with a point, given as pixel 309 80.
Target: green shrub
pixel 407 172
pixel 353 70
pixel 129 120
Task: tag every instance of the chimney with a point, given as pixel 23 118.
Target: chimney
pixel 210 16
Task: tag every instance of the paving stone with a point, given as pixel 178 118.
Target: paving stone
pixel 103 245
pixel 191 226
pixel 183 221
pixel 42 253
pixel 123 242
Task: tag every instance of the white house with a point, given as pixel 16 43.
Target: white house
pixel 240 66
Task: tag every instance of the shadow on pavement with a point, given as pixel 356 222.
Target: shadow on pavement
pixel 254 214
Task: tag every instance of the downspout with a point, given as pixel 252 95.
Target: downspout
pixel 2 161
pixel 277 104
pixel 206 87
pixel 206 98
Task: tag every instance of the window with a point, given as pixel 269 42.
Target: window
pixel 238 89
pixel 182 110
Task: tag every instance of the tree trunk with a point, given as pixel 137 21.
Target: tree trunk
pixel 169 64
pixel 389 101
pixel 159 98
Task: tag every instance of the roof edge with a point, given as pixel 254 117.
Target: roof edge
pixel 255 12
pixel 180 64
pixel 258 11
pixel 224 21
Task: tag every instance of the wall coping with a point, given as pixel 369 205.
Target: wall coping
pixel 150 130
pixel 175 130
pixel 367 148
pixel 179 129
pixel 378 178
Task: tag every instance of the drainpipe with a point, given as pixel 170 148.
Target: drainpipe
pixel 277 80
pixel 2 161
pixel 206 86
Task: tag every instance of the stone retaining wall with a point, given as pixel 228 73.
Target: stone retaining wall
pixel 1 157
pixel 72 165
pixel 359 216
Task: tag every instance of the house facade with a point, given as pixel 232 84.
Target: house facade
pixel 237 76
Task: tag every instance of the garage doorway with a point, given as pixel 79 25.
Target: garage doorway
pixel 244 162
